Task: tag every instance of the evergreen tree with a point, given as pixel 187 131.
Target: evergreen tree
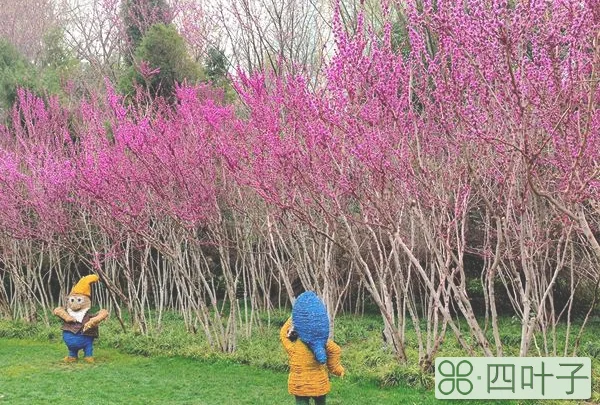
pixel 139 16
pixel 15 72
pixel 58 63
pixel 160 62
pixel 216 66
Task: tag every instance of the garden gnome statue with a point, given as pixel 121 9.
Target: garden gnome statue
pixel 311 322
pixel 80 328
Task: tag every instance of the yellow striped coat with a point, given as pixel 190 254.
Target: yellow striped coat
pixel 309 378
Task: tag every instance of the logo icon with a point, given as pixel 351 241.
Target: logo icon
pixel 513 378
pixel 455 377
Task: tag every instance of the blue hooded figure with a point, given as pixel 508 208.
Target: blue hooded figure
pixel 311 322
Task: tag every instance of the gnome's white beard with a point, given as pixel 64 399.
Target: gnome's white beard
pixel 78 314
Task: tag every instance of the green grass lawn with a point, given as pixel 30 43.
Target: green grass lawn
pixel 172 366
pixel 33 373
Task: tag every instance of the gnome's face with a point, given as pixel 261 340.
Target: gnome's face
pixel 77 302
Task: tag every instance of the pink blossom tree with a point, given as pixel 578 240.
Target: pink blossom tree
pixel 469 158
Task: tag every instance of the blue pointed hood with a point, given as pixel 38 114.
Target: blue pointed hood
pixel 311 322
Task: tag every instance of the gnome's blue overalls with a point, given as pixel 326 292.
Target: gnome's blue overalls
pixel 77 340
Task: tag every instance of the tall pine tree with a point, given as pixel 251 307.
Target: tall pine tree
pixel 138 16
pixel 162 52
